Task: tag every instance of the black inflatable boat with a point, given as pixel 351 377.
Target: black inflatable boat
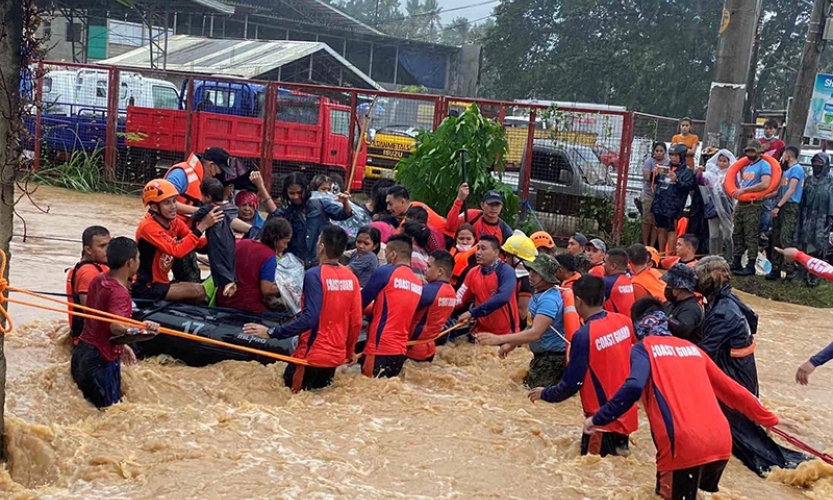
pixel 225 325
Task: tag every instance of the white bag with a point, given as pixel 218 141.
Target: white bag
pixel 289 277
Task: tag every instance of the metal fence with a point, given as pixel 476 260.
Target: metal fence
pixel 570 164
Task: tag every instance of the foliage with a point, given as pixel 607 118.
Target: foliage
pixel 82 171
pixel 433 173
pixel 794 292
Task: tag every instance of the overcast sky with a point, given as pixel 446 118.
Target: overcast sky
pixel 471 13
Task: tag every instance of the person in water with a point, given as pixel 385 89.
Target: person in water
pixel 330 321
pixel 595 251
pixel 485 221
pixel 567 273
pixel 436 304
pixel 822 270
pixel 365 260
pixel 683 310
pixel 94 241
pixel 491 287
pixel 646 280
pixel 599 356
pixel 96 362
pixel 220 237
pixel 686 250
pixel 682 391
pixel 394 291
pixel 618 286
pixel 163 237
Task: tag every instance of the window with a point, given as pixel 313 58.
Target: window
pixel 340 122
pixel 101 88
pixel 219 98
pixel 164 97
pixel 73 32
pixel 298 109
pixel 47 84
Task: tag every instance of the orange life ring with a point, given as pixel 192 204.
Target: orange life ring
pixel 730 184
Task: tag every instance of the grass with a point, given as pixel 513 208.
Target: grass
pixel 794 292
pixel 82 171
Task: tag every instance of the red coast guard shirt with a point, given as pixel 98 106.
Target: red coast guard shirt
pixel 435 307
pixel 330 319
pixel 495 302
pixel 619 296
pixel 395 292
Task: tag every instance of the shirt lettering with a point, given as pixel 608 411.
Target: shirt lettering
pixel 403 284
pixel 447 302
pixel 660 350
pixel 611 339
pixel 626 289
pixel 334 285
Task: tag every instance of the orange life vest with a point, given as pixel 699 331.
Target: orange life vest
pixel 649 279
pixel 461 264
pixel 195 174
pixel 572 321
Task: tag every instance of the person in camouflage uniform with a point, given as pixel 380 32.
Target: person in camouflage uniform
pixel 545 335
pixel 785 212
pixel 816 212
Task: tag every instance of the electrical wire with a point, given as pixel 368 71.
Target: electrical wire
pixel 432 12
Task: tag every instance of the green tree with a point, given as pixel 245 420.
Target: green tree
pixel 433 172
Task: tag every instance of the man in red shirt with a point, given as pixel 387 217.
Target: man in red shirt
pixel 618 286
pixel 394 292
pixel 680 388
pixel 163 237
pixel 436 304
pixel 599 365
pixel 330 320
pixel 772 144
pixel 96 362
pixel 398 199
pixel 645 279
pixel 94 241
pixel 491 286
pixel 485 221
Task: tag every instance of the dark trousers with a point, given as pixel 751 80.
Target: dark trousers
pixel 745 236
pixel 682 484
pixel 307 378
pixel 377 366
pixel 98 379
pixel 604 444
pixel 783 229
pixel 186 269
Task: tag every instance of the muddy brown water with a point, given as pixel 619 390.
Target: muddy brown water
pixel 457 429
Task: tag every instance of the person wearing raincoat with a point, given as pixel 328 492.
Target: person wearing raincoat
pixel 719 206
pixel 816 212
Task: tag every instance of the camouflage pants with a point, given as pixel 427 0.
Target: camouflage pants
pixel 745 236
pixel 546 369
pixel 783 229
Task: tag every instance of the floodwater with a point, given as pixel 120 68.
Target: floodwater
pixel 461 428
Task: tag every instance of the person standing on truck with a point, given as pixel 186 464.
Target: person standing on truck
pixel 307 216
pixel 94 241
pixel 485 221
pixel 163 237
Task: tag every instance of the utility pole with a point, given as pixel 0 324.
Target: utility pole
pixel 749 110
pixel 805 79
pixel 11 36
pixel 731 70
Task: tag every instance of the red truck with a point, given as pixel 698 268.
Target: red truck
pixel 311 132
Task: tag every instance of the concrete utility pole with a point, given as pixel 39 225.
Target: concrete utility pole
pixel 806 77
pixel 731 70
pixel 11 36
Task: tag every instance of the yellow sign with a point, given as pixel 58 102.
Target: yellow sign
pixel 724 23
pixel 391 145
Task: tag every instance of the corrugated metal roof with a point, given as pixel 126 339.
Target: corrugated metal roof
pixel 216 5
pixel 227 57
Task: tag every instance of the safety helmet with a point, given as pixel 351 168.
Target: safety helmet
pixel 158 190
pixel 680 150
pixel 520 246
pixel 654 256
pixel 542 239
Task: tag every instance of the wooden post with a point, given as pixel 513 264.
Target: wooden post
pixel 111 138
pixel 804 81
pixel 267 143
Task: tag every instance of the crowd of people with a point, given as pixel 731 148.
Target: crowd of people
pixel 601 322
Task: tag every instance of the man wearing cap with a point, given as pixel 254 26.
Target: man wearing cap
pixel 683 309
pixel 485 221
pixel 545 335
pixel 576 244
pixel 596 250
pixel 755 177
pixel 567 272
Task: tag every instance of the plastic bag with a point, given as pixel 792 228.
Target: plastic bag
pixel 289 277
pixel 762 265
pixel 351 226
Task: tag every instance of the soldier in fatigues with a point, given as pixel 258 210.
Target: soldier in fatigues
pixel 816 212
pixel 755 177
pixel 785 212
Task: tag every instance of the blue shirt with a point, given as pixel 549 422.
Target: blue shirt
pixel 178 178
pixel 751 174
pixel 794 172
pixel 307 223
pixel 267 270
pixel 551 305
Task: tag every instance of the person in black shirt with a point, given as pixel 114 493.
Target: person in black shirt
pixel 683 309
pixel 221 240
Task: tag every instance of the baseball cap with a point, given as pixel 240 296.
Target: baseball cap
pixel 580 239
pixel 754 145
pixel 680 276
pixel 597 244
pixel 492 197
pixel 219 156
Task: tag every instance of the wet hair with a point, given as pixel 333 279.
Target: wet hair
pixel 318 181
pixel 491 239
pixel 379 195
pixel 659 144
pixel 400 244
pixel 590 289
pixel 793 151
pixel 120 250
pixel 618 257
pixel 418 214
pixel 295 179
pixel 91 232
pixel 686 119
pixel 643 306
pixel 443 260
pixel 772 123
pixel 374 234
pixel 212 188
pixel 389 220
pixel 691 240
pixel 274 230
pixel 418 232
pixel 399 192
pixel 638 254
pixel 334 240
pixel 712 275
pixel 567 261
pixel 465 227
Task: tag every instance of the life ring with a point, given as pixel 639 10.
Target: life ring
pixel 730 184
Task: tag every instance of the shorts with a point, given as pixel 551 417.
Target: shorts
pixel 307 378
pixel 664 222
pixel 546 369
pixel 377 366
pixel 604 444
pixel 98 379
pixel 150 291
pixel 682 484
pixel 647 215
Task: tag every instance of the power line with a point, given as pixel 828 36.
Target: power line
pixel 433 12
pixel 428 36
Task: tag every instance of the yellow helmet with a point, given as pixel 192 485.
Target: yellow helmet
pixel 521 246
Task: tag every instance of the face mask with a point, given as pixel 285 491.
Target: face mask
pixel 817 169
pixel 752 158
pixel 669 295
pixel 464 248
